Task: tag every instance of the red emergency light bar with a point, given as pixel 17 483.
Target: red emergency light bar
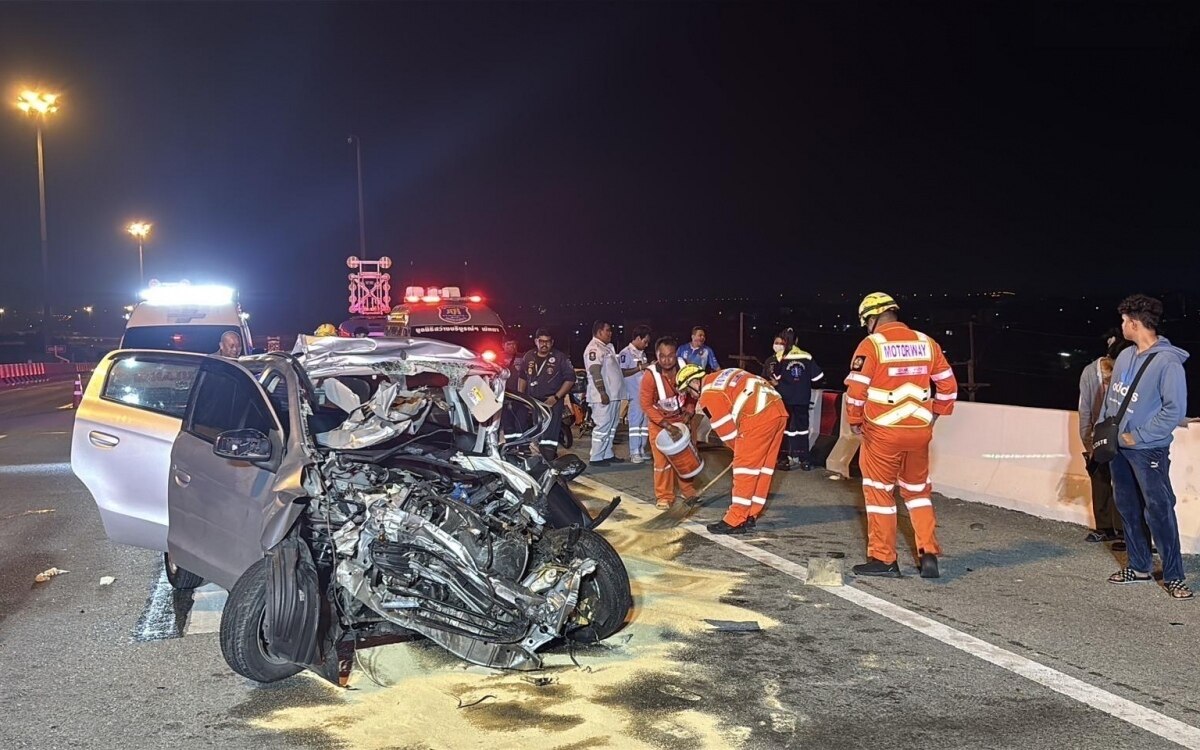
pixel 433 295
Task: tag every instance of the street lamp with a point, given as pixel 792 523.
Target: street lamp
pixel 362 230
pixel 140 230
pixel 40 106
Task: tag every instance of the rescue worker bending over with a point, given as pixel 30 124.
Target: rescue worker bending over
pixel 748 415
pixel 890 402
pixel 326 329
pixel 666 410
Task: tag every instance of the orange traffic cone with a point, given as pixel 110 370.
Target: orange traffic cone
pixel 77 396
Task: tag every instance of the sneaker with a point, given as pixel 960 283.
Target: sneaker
pixel 929 566
pixel 873 567
pixel 637 458
pixel 615 460
pixel 805 466
pixel 720 527
pixel 600 462
pixel 663 505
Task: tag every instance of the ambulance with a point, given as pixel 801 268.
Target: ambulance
pixel 185 317
pixel 443 313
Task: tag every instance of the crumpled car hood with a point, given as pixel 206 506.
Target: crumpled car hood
pixel 329 356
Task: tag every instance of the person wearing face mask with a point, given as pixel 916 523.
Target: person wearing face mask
pixel 792 372
pixel 890 402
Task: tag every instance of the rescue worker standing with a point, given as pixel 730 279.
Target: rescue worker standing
pixel 793 372
pixel 748 415
pixel 510 418
pixel 605 390
pixel 633 366
pixel 890 402
pixel 547 375
pixel 665 410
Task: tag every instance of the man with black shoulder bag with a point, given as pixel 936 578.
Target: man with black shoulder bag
pixel 1145 403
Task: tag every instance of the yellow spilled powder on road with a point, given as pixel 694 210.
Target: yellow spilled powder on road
pixel 629 692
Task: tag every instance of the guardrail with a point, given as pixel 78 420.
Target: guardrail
pixel 30 373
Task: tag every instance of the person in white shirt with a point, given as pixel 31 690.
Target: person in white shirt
pixel 633 365
pixel 605 391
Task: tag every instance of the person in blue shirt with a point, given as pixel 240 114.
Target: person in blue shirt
pixel 698 353
pixel 1141 471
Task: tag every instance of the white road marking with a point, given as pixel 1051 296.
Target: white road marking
pixel 207 603
pixel 158 618
pixel 56 468
pixel 1126 710
pixel 66 406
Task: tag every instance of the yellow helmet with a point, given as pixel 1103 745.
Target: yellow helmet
pixel 687 374
pixel 874 304
pixel 325 329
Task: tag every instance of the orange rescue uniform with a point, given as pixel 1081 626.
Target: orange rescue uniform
pixel 890 392
pixel 663 405
pixel 749 416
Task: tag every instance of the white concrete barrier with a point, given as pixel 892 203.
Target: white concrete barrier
pixel 1031 460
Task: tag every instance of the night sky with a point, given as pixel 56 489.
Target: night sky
pixel 605 151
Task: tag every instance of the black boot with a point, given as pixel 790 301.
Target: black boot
pixel 720 527
pixel 929 566
pixel 873 567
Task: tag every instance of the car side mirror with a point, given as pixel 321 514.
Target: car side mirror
pixel 569 466
pixel 243 445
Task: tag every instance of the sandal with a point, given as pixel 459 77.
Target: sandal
pixel 1178 589
pixel 1129 575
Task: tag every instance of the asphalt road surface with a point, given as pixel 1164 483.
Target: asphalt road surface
pixel 1020 644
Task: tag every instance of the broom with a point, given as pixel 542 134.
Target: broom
pixel 680 511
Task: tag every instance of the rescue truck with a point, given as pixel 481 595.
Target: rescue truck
pixel 443 313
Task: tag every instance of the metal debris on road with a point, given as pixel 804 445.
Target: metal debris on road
pixel 475 703
pixel 677 692
pixel 49 573
pixel 37 512
pixel 734 626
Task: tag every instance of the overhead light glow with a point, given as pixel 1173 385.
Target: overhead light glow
pixel 489 356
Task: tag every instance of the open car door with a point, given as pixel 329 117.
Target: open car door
pixel 223 469
pixel 122 439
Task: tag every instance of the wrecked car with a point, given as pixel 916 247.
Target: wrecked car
pixel 350 493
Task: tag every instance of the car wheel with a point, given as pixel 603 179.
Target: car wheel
pixel 179 578
pixel 604 596
pixel 242 629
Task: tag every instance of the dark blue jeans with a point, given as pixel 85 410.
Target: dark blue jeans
pixel 1142 490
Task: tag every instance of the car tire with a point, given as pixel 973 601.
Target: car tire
pixel 241 629
pixel 604 596
pixel 183 580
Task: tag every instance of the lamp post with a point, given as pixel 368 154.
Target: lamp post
pixel 140 231
pixel 40 106
pixel 362 230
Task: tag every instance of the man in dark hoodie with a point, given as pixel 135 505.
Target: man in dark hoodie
pixel 1093 388
pixel 1141 471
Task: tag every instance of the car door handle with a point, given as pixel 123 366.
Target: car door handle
pixel 182 479
pixel 103 439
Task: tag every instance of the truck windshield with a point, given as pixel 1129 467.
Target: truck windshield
pixel 199 339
